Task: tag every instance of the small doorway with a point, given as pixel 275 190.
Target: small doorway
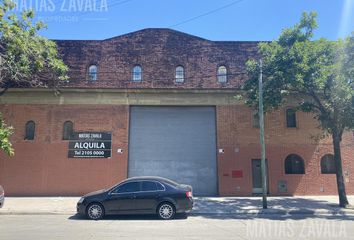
pixel 257 176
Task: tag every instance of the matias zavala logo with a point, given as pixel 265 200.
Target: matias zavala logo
pixel 62 5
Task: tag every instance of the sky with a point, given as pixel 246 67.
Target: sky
pixel 218 20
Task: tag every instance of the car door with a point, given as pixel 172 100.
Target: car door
pixel 122 199
pixel 147 199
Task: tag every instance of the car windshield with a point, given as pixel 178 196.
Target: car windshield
pixel 115 185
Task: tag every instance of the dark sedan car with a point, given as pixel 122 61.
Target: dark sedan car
pixel 138 195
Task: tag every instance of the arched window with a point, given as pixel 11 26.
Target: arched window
pixel 294 164
pixel 68 130
pixel 179 74
pixel 92 73
pixel 137 74
pixel 290 118
pixel 29 131
pixel 222 74
pixel 328 165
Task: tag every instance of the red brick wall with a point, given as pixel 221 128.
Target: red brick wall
pixel 41 166
pixel 240 142
pixel 159 52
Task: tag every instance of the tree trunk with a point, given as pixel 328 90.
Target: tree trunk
pixel 336 137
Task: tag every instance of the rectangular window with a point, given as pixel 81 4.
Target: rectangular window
pixel 68 130
pixel 291 118
pixel 255 119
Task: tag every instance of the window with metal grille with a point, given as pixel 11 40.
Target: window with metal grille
pixel 92 73
pixel 222 74
pixel 294 164
pixel 179 74
pixel 137 74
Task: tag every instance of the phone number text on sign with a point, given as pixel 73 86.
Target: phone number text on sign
pixel 90 145
pixel 89 153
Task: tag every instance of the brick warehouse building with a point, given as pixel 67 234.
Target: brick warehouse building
pixel 165 99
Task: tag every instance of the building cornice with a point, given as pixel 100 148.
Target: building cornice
pixel 122 96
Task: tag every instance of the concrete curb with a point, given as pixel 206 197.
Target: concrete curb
pixel 36 213
pixel 346 212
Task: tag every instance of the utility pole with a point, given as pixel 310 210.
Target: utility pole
pixel 261 126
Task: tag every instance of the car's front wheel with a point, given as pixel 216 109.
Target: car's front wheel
pixel 95 211
pixel 166 211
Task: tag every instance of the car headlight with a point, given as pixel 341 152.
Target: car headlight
pixel 81 200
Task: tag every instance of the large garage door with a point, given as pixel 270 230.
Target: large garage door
pixel 175 142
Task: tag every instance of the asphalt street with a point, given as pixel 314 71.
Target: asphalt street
pixel 51 227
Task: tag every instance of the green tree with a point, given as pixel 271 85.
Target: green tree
pixel 316 75
pixel 5 133
pixel 26 58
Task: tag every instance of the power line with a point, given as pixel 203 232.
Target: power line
pixel 206 14
pixel 119 3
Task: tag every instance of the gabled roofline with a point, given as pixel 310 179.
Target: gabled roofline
pixel 155 29
pixel 158 29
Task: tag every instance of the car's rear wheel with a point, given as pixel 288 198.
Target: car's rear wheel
pixel 166 211
pixel 95 211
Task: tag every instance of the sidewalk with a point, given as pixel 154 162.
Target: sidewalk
pixel 315 205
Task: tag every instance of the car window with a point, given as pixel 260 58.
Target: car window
pixel 148 186
pixel 170 182
pixel 159 186
pixel 128 187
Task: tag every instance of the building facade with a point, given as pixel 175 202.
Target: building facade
pixel 166 101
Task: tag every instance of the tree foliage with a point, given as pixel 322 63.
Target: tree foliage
pixel 315 75
pixel 5 133
pixel 26 58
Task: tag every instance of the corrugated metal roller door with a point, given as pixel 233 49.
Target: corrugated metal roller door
pixel 175 142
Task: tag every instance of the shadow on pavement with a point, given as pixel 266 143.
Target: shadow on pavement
pixel 232 204
pixel 128 217
pixel 278 217
pixel 282 208
pixel 285 207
